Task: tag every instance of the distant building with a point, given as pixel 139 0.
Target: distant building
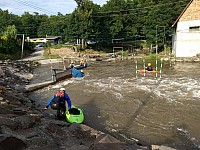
pixel 52 39
pixel 186 40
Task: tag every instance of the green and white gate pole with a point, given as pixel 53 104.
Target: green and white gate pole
pixel 122 54
pixel 170 63
pixel 174 59
pixel 136 69
pixel 144 67
pixel 156 67
pixel 161 66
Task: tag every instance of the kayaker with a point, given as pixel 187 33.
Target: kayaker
pixel 58 102
pixel 71 65
pixel 77 73
pixel 82 63
pixel 149 67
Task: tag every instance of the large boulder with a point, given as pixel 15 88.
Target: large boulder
pixel 11 143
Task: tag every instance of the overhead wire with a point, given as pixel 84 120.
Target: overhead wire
pixel 34 6
pixel 125 11
pixel 109 12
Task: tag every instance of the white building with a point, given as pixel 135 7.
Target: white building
pixel 186 40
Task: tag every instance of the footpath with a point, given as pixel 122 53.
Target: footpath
pixel 39 57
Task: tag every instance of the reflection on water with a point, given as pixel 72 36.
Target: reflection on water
pixel 166 111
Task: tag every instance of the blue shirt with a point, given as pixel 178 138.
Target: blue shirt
pixel 77 73
pixel 62 100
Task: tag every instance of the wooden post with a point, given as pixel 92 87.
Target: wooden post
pixel 64 66
pixel 54 75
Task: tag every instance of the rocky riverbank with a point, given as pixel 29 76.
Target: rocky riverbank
pixel 23 126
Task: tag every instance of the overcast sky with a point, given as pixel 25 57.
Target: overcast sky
pixel 49 7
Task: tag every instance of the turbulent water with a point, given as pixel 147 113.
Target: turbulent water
pixel 164 111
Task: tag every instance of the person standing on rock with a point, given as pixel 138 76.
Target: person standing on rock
pixel 58 102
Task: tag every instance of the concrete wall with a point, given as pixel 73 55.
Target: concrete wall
pixel 186 43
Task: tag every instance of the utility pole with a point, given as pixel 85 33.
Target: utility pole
pixel 22 47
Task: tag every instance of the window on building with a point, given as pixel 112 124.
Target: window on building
pixel 194 29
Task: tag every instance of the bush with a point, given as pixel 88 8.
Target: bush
pixel 152 57
pixel 11 57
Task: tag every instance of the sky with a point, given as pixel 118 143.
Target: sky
pixel 48 7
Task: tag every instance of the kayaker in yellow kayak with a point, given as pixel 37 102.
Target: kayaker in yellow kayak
pixel 149 67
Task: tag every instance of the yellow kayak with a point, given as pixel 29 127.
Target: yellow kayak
pixel 146 71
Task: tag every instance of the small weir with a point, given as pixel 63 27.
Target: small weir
pixel 57 75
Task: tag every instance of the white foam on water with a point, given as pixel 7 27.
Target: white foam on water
pixel 196 93
pixel 176 89
pixel 62 84
pixel 118 96
pixel 173 90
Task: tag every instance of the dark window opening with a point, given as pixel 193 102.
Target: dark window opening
pixel 194 29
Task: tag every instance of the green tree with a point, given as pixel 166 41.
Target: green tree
pixel 9 40
pixel 30 24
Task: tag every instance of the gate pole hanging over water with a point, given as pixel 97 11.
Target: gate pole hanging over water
pixel 136 68
pixel 170 62
pixel 174 59
pixel 161 66
pixel 118 44
pixel 160 71
pixel 156 67
pixel 144 67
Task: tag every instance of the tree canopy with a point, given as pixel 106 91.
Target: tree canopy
pixel 126 19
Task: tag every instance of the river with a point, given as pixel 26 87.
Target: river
pixel 164 111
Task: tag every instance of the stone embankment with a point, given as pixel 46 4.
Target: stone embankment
pixel 23 126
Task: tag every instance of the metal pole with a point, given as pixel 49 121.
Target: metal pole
pixel 170 63
pixel 122 54
pixel 22 47
pixel 144 67
pixel 161 66
pixel 113 47
pixel 156 55
pixel 156 42
pixel 156 69
pixel 164 41
pixel 136 69
pixel 64 66
pixel 122 49
pixel 53 71
pixel 53 75
pixel 174 58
